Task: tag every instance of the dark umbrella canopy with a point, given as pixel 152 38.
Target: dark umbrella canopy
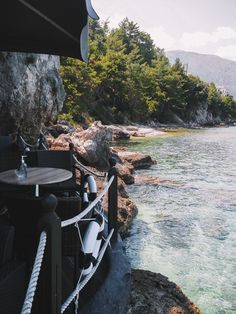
pixel 57 27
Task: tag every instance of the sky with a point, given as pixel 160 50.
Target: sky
pixel 204 26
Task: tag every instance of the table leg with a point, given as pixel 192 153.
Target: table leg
pixel 37 190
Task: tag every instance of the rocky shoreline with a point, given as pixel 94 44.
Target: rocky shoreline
pixel 92 147
pixel 150 293
pixel 153 293
pixel 126 132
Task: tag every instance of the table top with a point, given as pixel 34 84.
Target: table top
pixel 36 176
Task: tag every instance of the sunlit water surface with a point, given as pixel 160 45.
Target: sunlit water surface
pixel 186 228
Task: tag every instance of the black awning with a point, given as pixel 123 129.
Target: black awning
pixel 57 27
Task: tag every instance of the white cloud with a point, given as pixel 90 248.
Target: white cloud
pixel 201 39
pixel 114 21
pixel 223 33
pixel 196 39
pixel 228 52
pixel 161 38
pixel 190 41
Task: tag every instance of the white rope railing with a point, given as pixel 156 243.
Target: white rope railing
pixel 33 145
pixel 27 144
pixel 78 217
pixel 29 298
pixel 80 285
pixel 100 210
pixel 44 146
pixel 80 165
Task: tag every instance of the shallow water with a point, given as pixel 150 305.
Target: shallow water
pixel 186 228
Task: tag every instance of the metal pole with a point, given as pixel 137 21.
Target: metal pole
pixel 49 296
pixel 113 200
pixel 82 174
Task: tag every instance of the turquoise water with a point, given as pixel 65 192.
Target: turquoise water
pixel 186 227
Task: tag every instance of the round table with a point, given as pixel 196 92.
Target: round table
pixel 26 219
pixel 36 176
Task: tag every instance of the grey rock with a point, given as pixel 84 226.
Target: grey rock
pixel 31 91
pixel 137 160
pixel 58 129
pixel 125 173
pixel 153 293
pixel 118 133
pixel 91 145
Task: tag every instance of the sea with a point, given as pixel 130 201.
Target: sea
pixel 186 225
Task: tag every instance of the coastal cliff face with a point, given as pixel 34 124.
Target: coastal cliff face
pixel 31 91
pixel 202 116
pixel 199 116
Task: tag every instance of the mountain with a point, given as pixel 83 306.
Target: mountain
pixel 209 68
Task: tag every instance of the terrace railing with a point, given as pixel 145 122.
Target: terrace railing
pixel 47 267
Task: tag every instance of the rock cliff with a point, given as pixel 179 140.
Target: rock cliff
pixel 31 91
pixel 201 116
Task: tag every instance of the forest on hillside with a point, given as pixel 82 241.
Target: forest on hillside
pixel 129 79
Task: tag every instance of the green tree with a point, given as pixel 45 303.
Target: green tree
pixel 133 38
pixel 98 33
pixel 128 78
pixel 214 100
pixel 80 81
pixel 228 105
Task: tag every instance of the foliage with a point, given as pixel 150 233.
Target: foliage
pixel 129 79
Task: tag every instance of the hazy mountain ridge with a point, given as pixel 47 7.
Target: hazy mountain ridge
pixel 209 68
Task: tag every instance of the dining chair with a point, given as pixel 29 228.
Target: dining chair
pixel 9 154
pixel 55 159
